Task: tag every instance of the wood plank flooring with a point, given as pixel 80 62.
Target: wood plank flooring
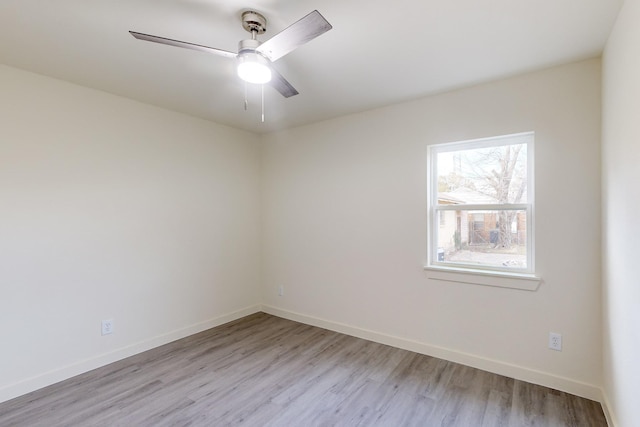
pixel 266 371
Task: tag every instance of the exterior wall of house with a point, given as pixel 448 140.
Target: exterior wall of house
pixel 447 229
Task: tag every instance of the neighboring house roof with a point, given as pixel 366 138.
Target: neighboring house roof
pixel 464 195
pixel 448 199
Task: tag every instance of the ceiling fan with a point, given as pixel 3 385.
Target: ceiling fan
pixel 254 58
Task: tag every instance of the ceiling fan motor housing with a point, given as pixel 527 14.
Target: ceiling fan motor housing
pixel 249 45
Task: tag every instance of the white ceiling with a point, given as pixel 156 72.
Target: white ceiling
pixel 378 52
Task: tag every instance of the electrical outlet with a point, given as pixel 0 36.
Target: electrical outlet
pixel 555 341
pixel 107 327
pixel 280 290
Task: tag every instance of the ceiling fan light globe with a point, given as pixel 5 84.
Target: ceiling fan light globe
pixel 253 68
pixel 252 72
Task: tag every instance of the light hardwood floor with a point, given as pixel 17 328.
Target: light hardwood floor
pixel 266 371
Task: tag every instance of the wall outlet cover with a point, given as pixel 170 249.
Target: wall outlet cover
pixel 107 327
pixel 555 341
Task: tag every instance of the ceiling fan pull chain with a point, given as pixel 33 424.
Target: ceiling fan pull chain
pixel 262 87
pixel 246 101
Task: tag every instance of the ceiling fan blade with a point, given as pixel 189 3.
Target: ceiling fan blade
pixel 281 84
pixel 178 43
pixel 297 34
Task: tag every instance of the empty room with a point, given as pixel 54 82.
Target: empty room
pixel 319 213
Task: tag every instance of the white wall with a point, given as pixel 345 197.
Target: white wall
pixel 621 224
pixel 345 231
pixel 114 209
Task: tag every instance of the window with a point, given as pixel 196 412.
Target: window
pixel 481 205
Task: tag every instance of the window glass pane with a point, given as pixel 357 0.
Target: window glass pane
pixel 492 238
pixel 484 175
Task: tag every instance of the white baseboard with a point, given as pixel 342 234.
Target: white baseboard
pixel 498 367
pixel 611 420
pixel 47 378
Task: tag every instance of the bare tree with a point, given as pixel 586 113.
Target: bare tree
pixel 505 182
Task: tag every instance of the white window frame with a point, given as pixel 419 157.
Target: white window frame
pixel 478 274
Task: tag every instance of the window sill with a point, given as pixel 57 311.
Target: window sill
pixel 524 282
